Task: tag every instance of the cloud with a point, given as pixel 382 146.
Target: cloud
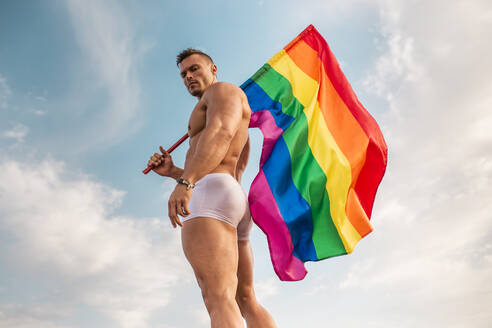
pixel 167 188
pixel 266 288
pixel 107 39
pixel 328 12
pixel 433 227
pixel 58 230
pixel 201 316
pixel 397 65
pixel 38 112
pixel 18 132
pixel 21 316
pixel 5 92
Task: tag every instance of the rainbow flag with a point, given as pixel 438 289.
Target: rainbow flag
pixel 322 160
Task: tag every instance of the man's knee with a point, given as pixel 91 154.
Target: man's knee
pixel 214 292
pixel 245 297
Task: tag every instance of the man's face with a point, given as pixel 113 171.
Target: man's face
pixel 198 73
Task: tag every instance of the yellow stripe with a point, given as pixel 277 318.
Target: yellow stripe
pixel 323 146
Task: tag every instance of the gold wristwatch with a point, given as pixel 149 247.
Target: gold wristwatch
pixel 188 185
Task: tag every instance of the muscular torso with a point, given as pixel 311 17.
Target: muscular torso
pixel 197 123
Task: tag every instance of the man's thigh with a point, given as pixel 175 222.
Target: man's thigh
pixel 210 245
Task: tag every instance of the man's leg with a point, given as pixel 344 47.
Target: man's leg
pixel 256 316
pixel 210 246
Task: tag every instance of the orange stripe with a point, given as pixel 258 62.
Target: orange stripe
pixel 305 57
pixel 345 129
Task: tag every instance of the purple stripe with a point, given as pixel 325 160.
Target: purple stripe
pixel 264 120
pixel 264 208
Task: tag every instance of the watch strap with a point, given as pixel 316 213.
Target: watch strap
pixel 188 185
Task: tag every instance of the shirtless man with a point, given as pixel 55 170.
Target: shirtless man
pixel 215 212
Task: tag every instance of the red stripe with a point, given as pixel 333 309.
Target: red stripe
pixel 376 156
pixel 347 132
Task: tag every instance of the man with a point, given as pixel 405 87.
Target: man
pixel 216 219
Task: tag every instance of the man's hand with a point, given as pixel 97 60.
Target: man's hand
pixel 178 204
pixel 162 164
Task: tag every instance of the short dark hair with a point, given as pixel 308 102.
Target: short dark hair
pixel 188 52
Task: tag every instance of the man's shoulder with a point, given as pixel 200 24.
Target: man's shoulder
pixel 225 89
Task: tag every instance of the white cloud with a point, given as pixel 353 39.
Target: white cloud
pixel 61 233
pixel 395 66
pixel 168 186
pixel 332 11
pixel 21 316
pixel 267 288
pixel 107 38
pixel 433 227
pixel 18 132
pixel 39 112
pixel 201 316
pixel 5 92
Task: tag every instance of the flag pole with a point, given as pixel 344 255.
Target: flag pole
pixel 179 142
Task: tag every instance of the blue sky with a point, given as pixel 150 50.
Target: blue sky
pixel 89 89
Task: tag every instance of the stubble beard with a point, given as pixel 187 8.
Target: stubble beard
pixel 196 92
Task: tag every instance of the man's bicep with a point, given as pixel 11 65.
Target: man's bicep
pixel 224 110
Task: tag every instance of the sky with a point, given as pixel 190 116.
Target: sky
pixel 90 89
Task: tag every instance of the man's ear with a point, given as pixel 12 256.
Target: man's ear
pixel 214 69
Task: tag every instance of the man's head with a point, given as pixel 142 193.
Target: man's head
pixel 197 70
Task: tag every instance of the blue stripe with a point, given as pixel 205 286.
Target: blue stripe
pixel 295 211
pixel 259 100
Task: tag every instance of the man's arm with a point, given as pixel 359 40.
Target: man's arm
pixel 242 162
pixel 224 114
pixel 176 171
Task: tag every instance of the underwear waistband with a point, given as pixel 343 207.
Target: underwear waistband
pixel 215 174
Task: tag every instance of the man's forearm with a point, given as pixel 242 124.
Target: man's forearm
pixel 210 151
pixel 176 173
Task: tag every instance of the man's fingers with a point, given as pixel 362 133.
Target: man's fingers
pixel 177 205
pixel 176 221
pixel 164 152
pixel 175 216
pixel 181 210
pixel 155 160
pixel 158 156
pixel 171 212
pixel 184 206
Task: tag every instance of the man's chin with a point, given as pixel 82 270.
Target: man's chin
pixel 195 92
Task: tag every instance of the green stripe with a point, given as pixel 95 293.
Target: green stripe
pixel 308 177
pixel 276 85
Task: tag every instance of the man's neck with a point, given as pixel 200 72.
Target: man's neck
pixel 200 96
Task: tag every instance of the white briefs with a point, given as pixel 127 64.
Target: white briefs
pixel 220 196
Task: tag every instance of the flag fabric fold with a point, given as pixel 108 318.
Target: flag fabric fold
pixel 322 159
